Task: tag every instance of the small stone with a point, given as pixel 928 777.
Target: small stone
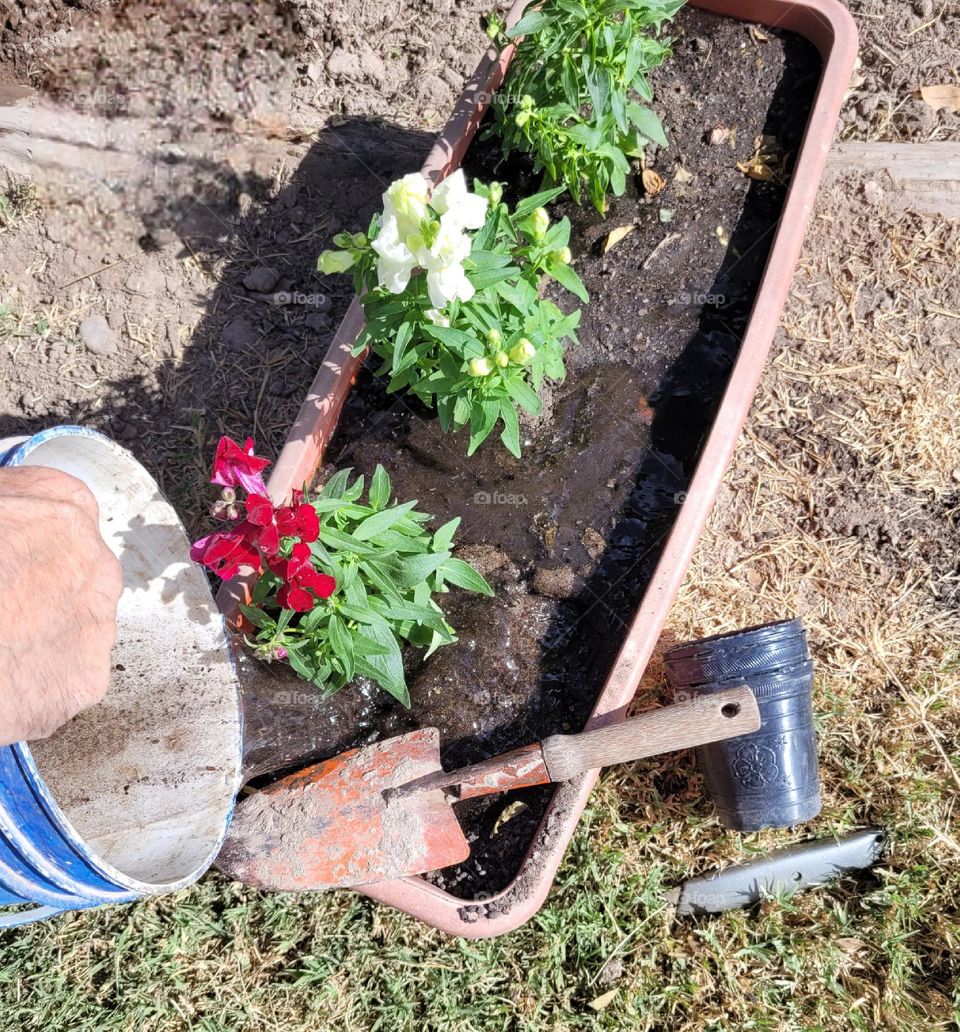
pixel 240 333
pixel 718 134
pixel 343 65
pixel 372 66
pixel 96 334
pixel 318 321
pixel 262 280
pixel 149 281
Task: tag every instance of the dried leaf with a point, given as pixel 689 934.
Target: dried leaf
pixel 850 945
pixel 616 235
pixel 767 162
pixel 652 181
pixel 507 814
pixel 937 97
pixel 682 175
pixel 758 34
pixel 604 1000
pixel 756 169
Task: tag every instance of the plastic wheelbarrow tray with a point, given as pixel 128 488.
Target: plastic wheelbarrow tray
pixel 827 25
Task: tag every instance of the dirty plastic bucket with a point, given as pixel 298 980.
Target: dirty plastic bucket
pixel 134 796
pixel 770 778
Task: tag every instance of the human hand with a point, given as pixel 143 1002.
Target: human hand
pixel 58 604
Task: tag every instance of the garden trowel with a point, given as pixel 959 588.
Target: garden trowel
pixel 384 811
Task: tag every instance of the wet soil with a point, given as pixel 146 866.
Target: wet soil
pixel 570 534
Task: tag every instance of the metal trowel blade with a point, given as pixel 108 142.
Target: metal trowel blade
pixel 328 826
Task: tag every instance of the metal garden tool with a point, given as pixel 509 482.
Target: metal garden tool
pixel 384 811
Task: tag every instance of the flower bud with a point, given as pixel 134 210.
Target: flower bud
pixel 564 255
pixel 332 262
pixel 522 352
pixel 494 337
pixel 494 26
pixel 526 102
pixel 480 367
pixel 502 359
pixel 522 118
pixel 359 239
pixel 539 221
pixel 229 495
pixel 495 191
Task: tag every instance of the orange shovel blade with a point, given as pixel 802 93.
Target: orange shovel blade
pixel 328 826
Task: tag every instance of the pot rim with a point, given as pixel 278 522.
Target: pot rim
pixel 831 29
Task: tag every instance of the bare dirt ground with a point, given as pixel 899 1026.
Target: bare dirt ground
pixel 186 165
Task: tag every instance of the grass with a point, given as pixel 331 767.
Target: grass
pixel 843 506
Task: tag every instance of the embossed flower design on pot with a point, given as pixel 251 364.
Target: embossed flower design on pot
pixel 755 765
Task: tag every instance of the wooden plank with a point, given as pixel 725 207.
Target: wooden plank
pixel 911 176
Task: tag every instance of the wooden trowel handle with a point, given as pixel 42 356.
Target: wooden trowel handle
pixel 709 718
pixel 683 725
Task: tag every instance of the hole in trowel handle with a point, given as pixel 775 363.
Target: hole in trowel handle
pixel 730 709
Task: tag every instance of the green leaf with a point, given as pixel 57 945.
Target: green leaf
pixel 386 670
pixel 456 571
pixel 524 395
pixel 379 488
pixel 336 485
pixel 257 617
pixel 648 123
pixel 537 200
pixel 342 645
pixel 567 278
pixel 418 567
pixel 529 23
pixel 380 521
pixel 511 428
pixel 443 538
pixel 300 666
pixel 402 339
pixel 483 418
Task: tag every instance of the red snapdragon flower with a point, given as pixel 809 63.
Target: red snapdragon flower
pixel 225 551
pixel 298 520
pixel 303 585
pixel 258 530
pixel 234 466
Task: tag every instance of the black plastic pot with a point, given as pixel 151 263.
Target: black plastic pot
pixel 768 779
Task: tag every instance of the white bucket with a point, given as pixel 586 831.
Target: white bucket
pixel 147 778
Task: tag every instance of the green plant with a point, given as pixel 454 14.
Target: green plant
pixel 579 91
pixel 470 336
pixel 340 583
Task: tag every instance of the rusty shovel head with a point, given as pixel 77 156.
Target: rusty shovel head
pixel 329 826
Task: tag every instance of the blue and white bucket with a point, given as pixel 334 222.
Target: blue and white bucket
pixel 133 797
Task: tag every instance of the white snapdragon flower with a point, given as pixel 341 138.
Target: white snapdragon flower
pixel 446 280
pixel 452 198
pixel 436 316
pixel 405 200
pixel 406 226
pixel 396 259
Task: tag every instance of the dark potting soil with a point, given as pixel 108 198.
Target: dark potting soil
pixel 570 534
